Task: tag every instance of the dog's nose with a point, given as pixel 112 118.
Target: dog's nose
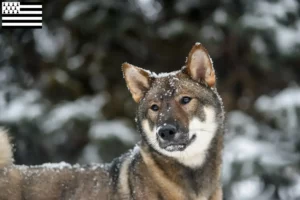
pixel 167 132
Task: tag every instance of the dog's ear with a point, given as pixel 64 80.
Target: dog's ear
pixel 199 66
pixel 137 79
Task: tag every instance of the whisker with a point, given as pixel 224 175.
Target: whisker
pixel 200 129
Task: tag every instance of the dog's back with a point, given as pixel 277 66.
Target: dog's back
pixel 135 175
pixel 49 181
pixel 127 177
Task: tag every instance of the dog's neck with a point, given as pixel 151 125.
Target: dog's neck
pixel 171 174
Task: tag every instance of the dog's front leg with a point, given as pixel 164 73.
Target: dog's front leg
pixel 217 195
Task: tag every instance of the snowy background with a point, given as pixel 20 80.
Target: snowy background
pixel 63 97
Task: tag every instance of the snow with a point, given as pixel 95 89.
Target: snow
pixel 45 166
pixel 264 16
pixel 6 74
pixel 282 108
pixel 289 97
pixel 251 188
pixel 166 74
pixel 243 122
pixel 211 32
pixel 114 128
pixel 48 43
pixel 86 107
pixel 61 76
pixel 250 144
pixel 220 16
pixel 74 9
pixel 150 8
pixel 24 106
pixel 259 45
pixel 75 62
pixel 61 165
pixel 37 170
pixel 184 6
pixel 244 149
pixel 294 190
pixel 90 154
pixel 171 28
pixel 288 37
pixel 134 151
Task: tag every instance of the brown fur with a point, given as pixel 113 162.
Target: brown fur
pixel 42 183
pixel 145 173
pixel 218 195
pixel 5 149
pixel 137 80
pixel 206 73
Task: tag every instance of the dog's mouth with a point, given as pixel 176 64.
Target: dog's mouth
pixel 180 146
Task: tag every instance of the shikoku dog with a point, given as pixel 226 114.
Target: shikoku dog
pixel 180 118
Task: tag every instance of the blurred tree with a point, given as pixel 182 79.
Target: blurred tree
pixel 59 82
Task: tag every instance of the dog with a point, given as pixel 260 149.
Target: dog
pixel 180 119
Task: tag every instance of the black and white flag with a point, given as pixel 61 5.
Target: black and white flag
pixel 22 15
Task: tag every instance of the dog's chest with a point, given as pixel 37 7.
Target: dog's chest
pixel 201 198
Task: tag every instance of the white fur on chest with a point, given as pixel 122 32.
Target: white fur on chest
pixel 201 198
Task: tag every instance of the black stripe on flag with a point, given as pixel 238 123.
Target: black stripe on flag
pixel 14 27
pixel 21 21
pixel 31 3
pixel 30 9
pixel 22 15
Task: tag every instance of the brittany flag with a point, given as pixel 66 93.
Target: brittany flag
pixel 22 15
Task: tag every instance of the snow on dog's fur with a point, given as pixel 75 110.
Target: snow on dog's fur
pixel 180 118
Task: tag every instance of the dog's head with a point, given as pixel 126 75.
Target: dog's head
pixel 180 112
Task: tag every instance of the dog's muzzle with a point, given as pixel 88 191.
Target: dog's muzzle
pixel 171 139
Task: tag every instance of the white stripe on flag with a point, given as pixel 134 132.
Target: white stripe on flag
pixel 30 12
pixel 21 18
pixel 30 6
pixel 21 24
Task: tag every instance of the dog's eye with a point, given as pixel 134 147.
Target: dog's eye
pixel 154 107
pixel 185 100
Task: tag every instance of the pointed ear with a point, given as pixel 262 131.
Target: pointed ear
pixel 138 80
pixel 200 67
